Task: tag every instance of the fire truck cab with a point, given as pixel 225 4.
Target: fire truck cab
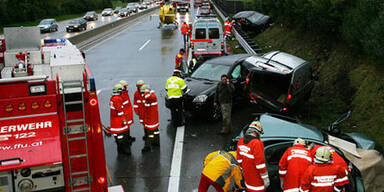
pixel 50 129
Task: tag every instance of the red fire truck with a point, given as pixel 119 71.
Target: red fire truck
pixel 50 129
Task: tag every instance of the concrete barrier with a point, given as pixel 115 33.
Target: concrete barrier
pixel 104 28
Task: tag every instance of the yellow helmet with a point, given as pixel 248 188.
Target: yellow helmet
pixel 140 83
pixel 117 88
pixel 144 88
pixel 299 141
pixel 256 126
pixel 124 83
pixel 323 154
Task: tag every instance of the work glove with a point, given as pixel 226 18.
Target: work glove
pixel 266 182
pixel 124 122
pixel 281 183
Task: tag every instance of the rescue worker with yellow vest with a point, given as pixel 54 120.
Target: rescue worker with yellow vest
pixel 138 104
pixel 119 127
pixel 219 168
pixel 176 87
pixel 127 106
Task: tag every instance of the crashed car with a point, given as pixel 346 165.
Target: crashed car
pixel 280 132
pixel 252 21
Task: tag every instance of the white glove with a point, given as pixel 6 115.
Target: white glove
pixel 281 183
pixel 266 182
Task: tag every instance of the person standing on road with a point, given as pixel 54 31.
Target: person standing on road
pixel 223 96
pixel 138 104
pixel 184 32
pixel 151 118
pixel 179 60
pixel 219 168
pixel 292 165
pixel 127 105
pixel 176 87
pixel 250 156
pixel 119 127
pixel 228 27
pixel 323 175
pixel 190 32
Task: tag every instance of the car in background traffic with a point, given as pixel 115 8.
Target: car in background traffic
pixel 124 12
pixel 205 10
pixel 133 6
pixel 204 80
pixel 77 25
pixel 48 25
pixel 91 16
pixel 117 10
pixel 143 6
pixel 252 21
pixel 107 12
pixel 279 81
pixel 181 6
pixel 280 132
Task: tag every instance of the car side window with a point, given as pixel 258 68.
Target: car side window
pixel 200 33
pixel 236 72
pixel 273 153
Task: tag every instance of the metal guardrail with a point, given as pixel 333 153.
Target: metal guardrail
pixel 254 49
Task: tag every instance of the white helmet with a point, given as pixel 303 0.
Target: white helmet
pixel 118 88
pixel 299 141
pixel 323 154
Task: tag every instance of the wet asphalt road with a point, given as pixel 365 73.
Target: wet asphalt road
pixel 144 52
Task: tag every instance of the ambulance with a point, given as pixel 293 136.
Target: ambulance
pixel 50 129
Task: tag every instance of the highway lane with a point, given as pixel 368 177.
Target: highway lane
pixel 144 52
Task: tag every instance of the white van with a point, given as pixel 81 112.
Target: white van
pixel 207 36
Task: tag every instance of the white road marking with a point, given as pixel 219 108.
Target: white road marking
pixel 145 44
pixel 98 91
pixel 174 177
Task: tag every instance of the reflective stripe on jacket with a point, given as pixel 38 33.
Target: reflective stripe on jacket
pixel 151 112
pixel 175 87
pixel 251 158
pixel 138 105
pixel 292 166
pixel 323 178
pixel 117 115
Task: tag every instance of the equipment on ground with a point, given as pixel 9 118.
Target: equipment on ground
pixel 51 138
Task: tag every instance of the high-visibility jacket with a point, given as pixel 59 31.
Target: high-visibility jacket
pixel 251 158
pixel 178 61
pixel 221 166
pixel 184 29
pixel 292 166
pixel 127 107
pixel 151 112
pixel 336 158
pixel 323 178
pixel 138 105
pixel 175 86
pixel 228 26
pixel 118 123
pixel 190 31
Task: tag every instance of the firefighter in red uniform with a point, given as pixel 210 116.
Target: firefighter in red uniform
pixel 190 31
pixel 138 104
pixel 250 156
pixel 292 165
pixel 179 60
pixel 184 32
pixel 323 175
pixel 127 106
pixel 119 128
pixel 228 27
pixel 151 118
pixel 336 158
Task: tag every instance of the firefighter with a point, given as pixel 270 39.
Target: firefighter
pixel 138 104
pixel 151 118
pixel 228 28
pixel 127 106
pixel 184 32
pixel 323 175
pixel 250 156
pixel 179 60
pixel 219 168
pixel 292 165
pixel 176 87
pixel 190 32
pixel 119 127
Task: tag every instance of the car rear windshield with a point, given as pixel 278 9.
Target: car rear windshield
pixel 214 33
pixel 270 85
pixel 200 33
pixel 255 17
pixel 46 21
pixel 210 71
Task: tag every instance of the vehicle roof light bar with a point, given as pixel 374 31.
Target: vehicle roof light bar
pixel 54 41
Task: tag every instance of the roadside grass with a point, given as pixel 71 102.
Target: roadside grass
pixel 36 22
pixel 347 81
pixel 118 4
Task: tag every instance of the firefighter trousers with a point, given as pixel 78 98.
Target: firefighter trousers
pixel 205 182
pixel 177 112
pixel 123 141
pixel 153 138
